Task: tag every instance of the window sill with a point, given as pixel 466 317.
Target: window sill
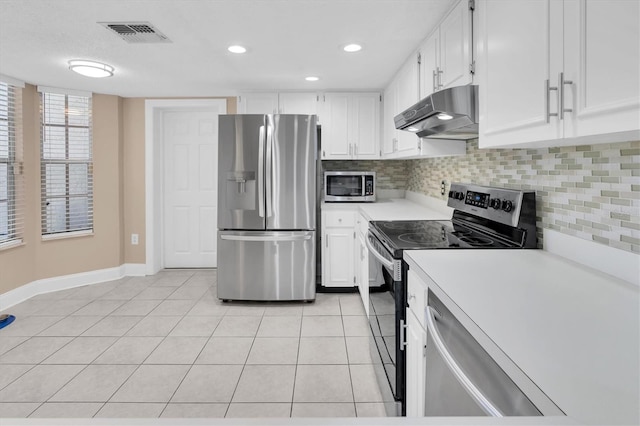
pixel 65 235
pixel 11 244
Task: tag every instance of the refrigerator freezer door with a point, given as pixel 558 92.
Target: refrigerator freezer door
pixel 266 265
pixel 290 172
pixel 241 140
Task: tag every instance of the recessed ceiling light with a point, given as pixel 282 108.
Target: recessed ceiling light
pixel 237 49
pixel 352 48
pixel 311 78
pixel 91 68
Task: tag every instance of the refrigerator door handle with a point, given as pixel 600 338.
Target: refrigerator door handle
pixel 269 166
pixel 261 172
pixel 266 237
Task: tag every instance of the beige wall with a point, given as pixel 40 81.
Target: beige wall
pixel 37 259
pixel 119 196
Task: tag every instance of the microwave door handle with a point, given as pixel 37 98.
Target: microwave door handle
pixel 485 404
pixel 385 262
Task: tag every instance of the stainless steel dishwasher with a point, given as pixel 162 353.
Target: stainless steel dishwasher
pixel 461 377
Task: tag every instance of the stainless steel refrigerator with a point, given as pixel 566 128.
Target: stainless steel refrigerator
pixel 266 207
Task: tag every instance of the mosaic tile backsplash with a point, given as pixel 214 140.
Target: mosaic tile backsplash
pixel 591 191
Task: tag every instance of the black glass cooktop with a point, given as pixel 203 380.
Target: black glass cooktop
pixel 401 235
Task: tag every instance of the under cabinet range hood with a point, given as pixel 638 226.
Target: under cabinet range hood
pixel 448 114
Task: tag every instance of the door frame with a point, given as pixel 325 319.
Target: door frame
pixel 154 109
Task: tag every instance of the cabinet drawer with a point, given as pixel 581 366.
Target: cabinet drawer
pixel 339 219
pixel 416 296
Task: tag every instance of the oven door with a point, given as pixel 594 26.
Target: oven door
pixel 387 324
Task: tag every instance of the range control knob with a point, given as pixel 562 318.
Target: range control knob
pixel 460 195
pixel 496 203
pixel 507 205
pixel 451 194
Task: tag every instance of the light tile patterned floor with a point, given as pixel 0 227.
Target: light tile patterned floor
pixel 165 346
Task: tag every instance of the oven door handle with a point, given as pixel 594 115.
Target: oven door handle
pixel 385 262
pixel 485 404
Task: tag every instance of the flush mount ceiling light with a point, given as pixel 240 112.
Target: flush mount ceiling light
pixel 91 68
pixel 237 49
pixel 312 78
pixel 352 48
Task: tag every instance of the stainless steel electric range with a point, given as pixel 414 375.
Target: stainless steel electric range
pixel 483 218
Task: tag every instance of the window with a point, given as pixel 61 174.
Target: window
pixel 11 173
pixel 66 162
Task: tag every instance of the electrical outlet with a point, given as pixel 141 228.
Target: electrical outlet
pixel 134 239
pixel 443 185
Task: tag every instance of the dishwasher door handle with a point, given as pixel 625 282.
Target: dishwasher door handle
pixel 485 404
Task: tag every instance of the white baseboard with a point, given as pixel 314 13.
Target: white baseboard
pixel 619 263
pixel 134 269
pixel 64 282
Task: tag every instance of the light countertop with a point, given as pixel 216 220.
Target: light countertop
pixel 393 209
pixel 572 330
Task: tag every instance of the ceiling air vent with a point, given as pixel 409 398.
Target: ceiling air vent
pixel 136 32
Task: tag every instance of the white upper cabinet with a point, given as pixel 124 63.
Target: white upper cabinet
pixel 446 55
pixel 602 60
pixel 258 103
pixel 565 75
pixel 351 126
pixel 298 103
pixel 278 103
pixel 402 93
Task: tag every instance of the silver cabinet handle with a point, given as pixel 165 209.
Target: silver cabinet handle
pixel 435 85
pixel 440 72
pixel 261 172
pixel 484 402
pixel 266 238
pixel 561 83
pixel 269 170
pixel 547 95
pixel 403 340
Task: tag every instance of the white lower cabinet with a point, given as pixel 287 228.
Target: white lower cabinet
pixel 416 339
pixel 338 248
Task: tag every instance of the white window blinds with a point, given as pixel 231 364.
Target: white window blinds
pixel 11 164
pixel 66 163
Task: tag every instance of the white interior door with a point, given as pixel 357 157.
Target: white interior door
pixel 190 148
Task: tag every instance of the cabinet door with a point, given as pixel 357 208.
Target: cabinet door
pixel 430 60
pixel 601 45
pixel 455 47
pixel 389 132
pixel 364 126
pixel 335 127
pixel 416 341
pixel 337 258
pixel 363 276
pixel 514 59
pixel 258 103
pixel 408 92
pixel 298 103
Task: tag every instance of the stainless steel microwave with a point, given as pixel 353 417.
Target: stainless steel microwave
pixel 345 187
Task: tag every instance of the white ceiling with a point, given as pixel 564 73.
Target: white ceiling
pixel 287 41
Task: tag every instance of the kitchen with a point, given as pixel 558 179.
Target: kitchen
pixel 584 187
